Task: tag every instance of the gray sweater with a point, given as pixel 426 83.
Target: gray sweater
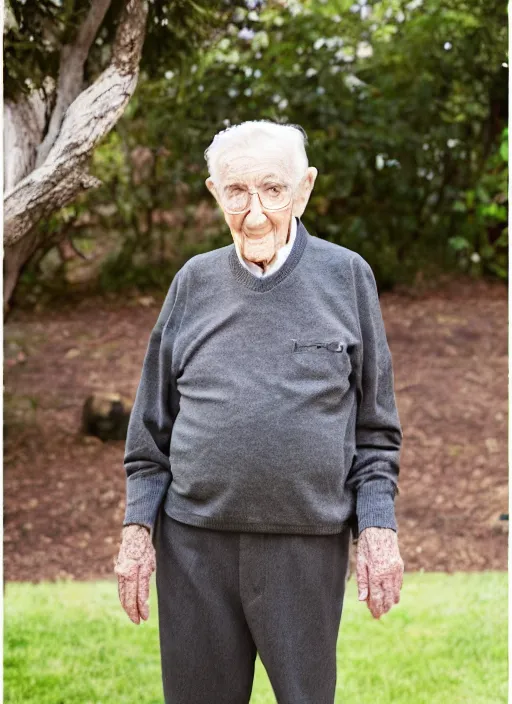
pixel 267 404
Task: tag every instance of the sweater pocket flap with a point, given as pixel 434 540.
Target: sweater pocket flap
pixel 313 345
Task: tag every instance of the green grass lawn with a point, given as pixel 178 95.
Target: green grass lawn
pixel 445 642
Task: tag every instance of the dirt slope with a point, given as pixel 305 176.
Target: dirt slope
pixel 64 493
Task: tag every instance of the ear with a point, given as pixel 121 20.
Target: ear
pixel 302 196
pixel 211 187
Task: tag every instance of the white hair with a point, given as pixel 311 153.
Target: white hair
pixel 292 137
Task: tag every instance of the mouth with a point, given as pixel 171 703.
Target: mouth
pixel 257 235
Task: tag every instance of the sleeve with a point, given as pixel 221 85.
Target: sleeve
pixel 375 469
pixel 146 457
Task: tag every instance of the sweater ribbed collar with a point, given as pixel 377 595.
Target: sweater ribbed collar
pixel 265 283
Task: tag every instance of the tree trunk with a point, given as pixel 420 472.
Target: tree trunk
pixel 43 176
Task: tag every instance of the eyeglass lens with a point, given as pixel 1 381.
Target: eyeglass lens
pixel 272 197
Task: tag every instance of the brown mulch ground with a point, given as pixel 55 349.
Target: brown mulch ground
pixel 64 493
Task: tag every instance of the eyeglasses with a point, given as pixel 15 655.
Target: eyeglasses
pixel 273 196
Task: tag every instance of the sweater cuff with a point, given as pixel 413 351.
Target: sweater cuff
pixel 144 494
pixel 375 505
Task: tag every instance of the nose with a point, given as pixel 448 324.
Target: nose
pixel 255 215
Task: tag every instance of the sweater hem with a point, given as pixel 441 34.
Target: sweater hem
pixel 194 519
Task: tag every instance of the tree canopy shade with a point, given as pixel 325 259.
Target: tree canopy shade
pixel 36 30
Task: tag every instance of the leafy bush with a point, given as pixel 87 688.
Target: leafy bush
pixel 405 109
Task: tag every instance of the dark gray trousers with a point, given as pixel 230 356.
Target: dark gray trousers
pixel 223 596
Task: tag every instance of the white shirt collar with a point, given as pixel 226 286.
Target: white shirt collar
pixel 282 253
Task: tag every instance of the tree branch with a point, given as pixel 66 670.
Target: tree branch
pixel 71 73
pixel 89 118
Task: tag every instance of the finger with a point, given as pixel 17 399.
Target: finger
pixel 387 602
pixel 376 606
pixel 144 612
pixel 376 599
pixel 377 609
pixel 362 579
pixel 400 577
pixel 395 582
pixel 391 589
pixel 120 591
pixel 390 581
pixel 122 570
pixel 123 589
pixel 145 573
pixel 143 593
pixel 388 586
pixel 129 587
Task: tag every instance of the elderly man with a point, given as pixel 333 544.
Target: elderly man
pixel 264 433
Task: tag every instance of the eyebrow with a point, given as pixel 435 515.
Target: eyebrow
pixel 267 177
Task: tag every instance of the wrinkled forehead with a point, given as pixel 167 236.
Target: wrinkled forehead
pixel 249 165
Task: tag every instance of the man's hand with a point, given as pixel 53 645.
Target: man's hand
pixel 134 566
pixel 379 569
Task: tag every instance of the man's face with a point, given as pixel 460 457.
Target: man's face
pixel 258 232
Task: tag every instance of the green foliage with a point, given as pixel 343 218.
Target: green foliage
pixel 397 129
pixel 405 107
pixel 482 245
